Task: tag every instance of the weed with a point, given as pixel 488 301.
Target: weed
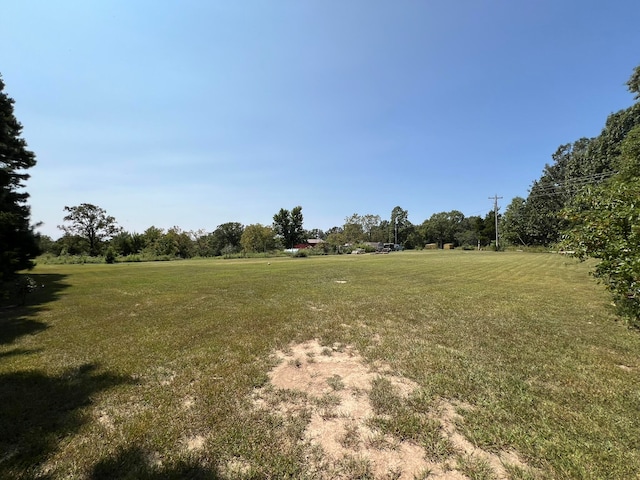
pixel 327 404
pixel 335 382
pixel 351 437
pixel 475 468
pixel 355 468
pixel 437 447
pixel 423 475
pixel 383 397
pixel 518 473
pixel 381 441
pixel 405 425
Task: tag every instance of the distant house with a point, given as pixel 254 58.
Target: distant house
pixel 309 243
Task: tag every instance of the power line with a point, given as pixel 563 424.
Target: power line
pixel 558 188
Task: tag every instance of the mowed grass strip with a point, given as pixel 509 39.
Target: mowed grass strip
pixel 148 369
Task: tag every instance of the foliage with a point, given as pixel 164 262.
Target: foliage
pixel 18 242
pixel 400 225
pixel 513 225
pixel 587 161
pixel 125 243
pixel 605 224
pixel 110 256
pixel 369 227
pixel 634 82
pixel 91 223
pixel 177 243
pixel 442 227
pixel 335 241
pixel 225 239
pixel 470 232
pixel 258 238
pixel 352 231
pixel 288 226
pixel 604 220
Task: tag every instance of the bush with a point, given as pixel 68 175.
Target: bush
pixel 110 256
pixel 603 226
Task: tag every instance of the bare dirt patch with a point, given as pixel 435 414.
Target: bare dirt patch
pixel 333 385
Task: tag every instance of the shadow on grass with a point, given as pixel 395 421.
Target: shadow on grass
pixel 134 463
pixel 37 411
pixel 16 320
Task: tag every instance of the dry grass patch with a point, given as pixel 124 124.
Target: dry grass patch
pixel 367 424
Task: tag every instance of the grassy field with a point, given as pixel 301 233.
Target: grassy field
pixel 149 370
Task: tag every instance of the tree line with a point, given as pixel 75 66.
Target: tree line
pixel 89 230
pixel 577 166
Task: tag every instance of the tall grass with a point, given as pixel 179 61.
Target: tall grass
pixel 147 370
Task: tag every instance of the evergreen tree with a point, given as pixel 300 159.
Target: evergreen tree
pixel 18 243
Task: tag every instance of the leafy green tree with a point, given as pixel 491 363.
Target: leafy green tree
pixel 574 163
pixel 443 227
pixel 18 242
pixel 227 236
pixel 125 243
pixel 288 226
pixel 605 225
pixel 72 245
pixel 178 243
pixel 513 226
pixel 151 235
pixel 477 230
pixel 335 242
pixel 47 245
pixel 369 224
pixel 400 226
pixel 203 244
pixel 634 82
pixel 587 161
pixel 335 239
pixel 258 238
pixel 381 232
pixel 413 238
pixel 91 223
pixel 605 149
pixel 467 234
pixel 173 243
pixel 315 233
pixel 352 231
pixel 489 227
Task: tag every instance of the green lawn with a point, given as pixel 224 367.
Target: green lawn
pixel 111 370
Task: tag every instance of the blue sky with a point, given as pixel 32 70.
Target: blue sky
pixel 194 113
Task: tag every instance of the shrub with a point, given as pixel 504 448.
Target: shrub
pixel 110 256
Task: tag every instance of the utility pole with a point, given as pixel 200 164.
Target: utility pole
pixel 396 237
pixel 495 199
